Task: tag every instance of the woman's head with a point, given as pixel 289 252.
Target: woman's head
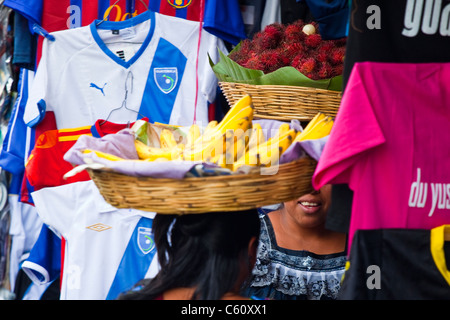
pixel 310 210
pixel 212 252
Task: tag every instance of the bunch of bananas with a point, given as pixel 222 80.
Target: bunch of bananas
pixel 262 152
pixel 319 127
pixel 231 143
pixel 235 141
pixel 219 140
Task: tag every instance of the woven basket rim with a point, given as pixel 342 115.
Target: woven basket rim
pixel 281 87
pixel 217 193
pixel 285 103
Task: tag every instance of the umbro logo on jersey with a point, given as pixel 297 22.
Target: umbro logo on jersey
pixel 166 78
pixel 93 85
pixel 99 227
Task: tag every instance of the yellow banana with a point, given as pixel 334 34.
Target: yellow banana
pixel 219 160
pixel 242 103
pixel 166 125
pixel 167 139
pixel 103 155
pixel 321 130
pixel 209 146
pixel 239 148
pixel 148 153
pixel 231 123
pixel 270 153
pixel 267 153
pixel 205 151
pixel 235 144
pixel 319 127
pixel 256 136
pixel 282 129
pixel 210 126
pixel 242 109
pixel 193 134
pixel 317 118
pixel 250 157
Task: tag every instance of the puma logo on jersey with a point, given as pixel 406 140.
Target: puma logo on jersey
pixel 93 85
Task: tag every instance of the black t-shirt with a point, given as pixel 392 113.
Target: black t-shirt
pixel 400 264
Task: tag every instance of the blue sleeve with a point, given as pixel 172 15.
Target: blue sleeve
pixel 223 19
pixel 30 9
pixel 24 44
pixel 18 135
pixel 44 262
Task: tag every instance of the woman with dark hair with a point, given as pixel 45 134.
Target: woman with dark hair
pixel 298 258
pixel 204 256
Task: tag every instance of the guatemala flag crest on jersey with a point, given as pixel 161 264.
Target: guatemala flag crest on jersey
pixel 145 240
pixel 166 78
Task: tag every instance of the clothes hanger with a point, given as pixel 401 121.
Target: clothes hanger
pixel 106 18
pixel 124 102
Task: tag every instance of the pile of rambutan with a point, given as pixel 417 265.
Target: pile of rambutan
pixel 295 45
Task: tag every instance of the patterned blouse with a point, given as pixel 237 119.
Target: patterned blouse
pixel 284 274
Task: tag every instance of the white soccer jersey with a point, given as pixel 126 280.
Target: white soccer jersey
pixel 24 230
pixel 108 250
pixel 83 73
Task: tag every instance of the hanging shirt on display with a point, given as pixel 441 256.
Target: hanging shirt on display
pixel 332 17
pixel 50 149
pixel 44 262
pixel 398 264
pixel 83 73
pixel 397 31
pixel 389 31
pixel 388 144
pixel 221 18
pixel 103 243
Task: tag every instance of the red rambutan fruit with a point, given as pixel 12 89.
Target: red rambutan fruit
pixel 313 40
pixel 257 42
pixel 321 56
pixel 340 42
pixel 254 63
pixel 307 66
pixel 245 46
pixel 337 55
pixel 271 37
pixel 273 60
pixel 337 70
pixel 300 23
pixel 293 49
pixel 325 71
pixel 294 34
pixel 297 61
pixel 326 47
pixel 238 57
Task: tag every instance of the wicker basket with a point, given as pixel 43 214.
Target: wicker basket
pixel 284 102
pixel 206 194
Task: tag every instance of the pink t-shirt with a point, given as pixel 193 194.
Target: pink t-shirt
pixel 391 144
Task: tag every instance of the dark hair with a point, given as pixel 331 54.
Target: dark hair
pixel 204 251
